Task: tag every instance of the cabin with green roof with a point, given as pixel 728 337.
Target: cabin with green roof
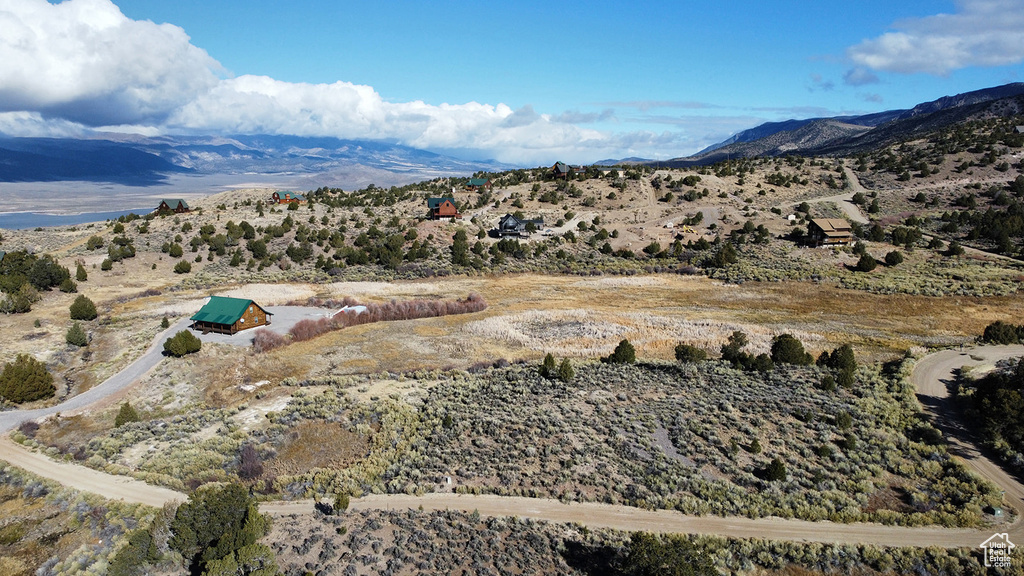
pixel 443 209
pixel 225 315
pixel 479 184
pixel 172 205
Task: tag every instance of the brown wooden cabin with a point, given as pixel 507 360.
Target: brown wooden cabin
pixel 443 209
pixel 829 232
pixel 225 315
pixel 479 185
pixel 561 170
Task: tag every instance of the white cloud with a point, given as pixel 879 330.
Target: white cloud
pixel 33 125
pixel 81 64
pixel 84 61
pixel 979 33
pixel 577 117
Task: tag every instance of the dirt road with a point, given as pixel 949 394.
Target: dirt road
pixel 109 486
pixel 661 521
pixel 843 201
pixel 930 376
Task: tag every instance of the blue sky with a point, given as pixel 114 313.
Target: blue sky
pixel 521 82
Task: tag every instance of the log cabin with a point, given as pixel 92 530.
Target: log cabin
pixel 225 315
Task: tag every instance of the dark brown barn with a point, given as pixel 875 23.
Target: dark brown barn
pixel 225 315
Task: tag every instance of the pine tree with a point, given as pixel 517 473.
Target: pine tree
pixel 867 263
pixel 182 343
pixel 80 274
pixel 26 379
pixel 460 249
pixel 776 470
pixel 624 354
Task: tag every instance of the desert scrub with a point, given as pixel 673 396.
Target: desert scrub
pixel 57 530
pixel 930 274
pixel 393 429
pixel 414 542
pixel 203 445
pixel 450 542
pixel 169 451
pixel 680 437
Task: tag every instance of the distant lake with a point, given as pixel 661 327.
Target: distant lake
pixel 28 220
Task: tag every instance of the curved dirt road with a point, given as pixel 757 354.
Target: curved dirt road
pixel 930 377
pixel 843 201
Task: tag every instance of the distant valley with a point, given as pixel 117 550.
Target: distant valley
pixel 69 175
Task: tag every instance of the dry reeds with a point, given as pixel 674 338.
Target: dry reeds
pixel 265 340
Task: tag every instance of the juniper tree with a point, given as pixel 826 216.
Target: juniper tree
pixel 76 336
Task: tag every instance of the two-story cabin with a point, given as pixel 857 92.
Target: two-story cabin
pixel 829 232
pixel 443 209
pixel 479 185
pixel 561 170
pixel 509 225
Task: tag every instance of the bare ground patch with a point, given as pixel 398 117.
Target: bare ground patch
pixel 314 444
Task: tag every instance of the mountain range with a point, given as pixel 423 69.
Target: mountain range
pixel 845 135
pixel 145 161
pixel 140 161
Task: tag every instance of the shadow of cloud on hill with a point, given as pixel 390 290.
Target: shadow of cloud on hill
pixel 52 160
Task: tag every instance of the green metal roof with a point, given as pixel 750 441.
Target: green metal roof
pixel 478 181
pixel 172 203
pixel 435 202
pixel 223 310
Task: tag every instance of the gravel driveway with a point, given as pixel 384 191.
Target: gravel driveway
pixel 284 317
